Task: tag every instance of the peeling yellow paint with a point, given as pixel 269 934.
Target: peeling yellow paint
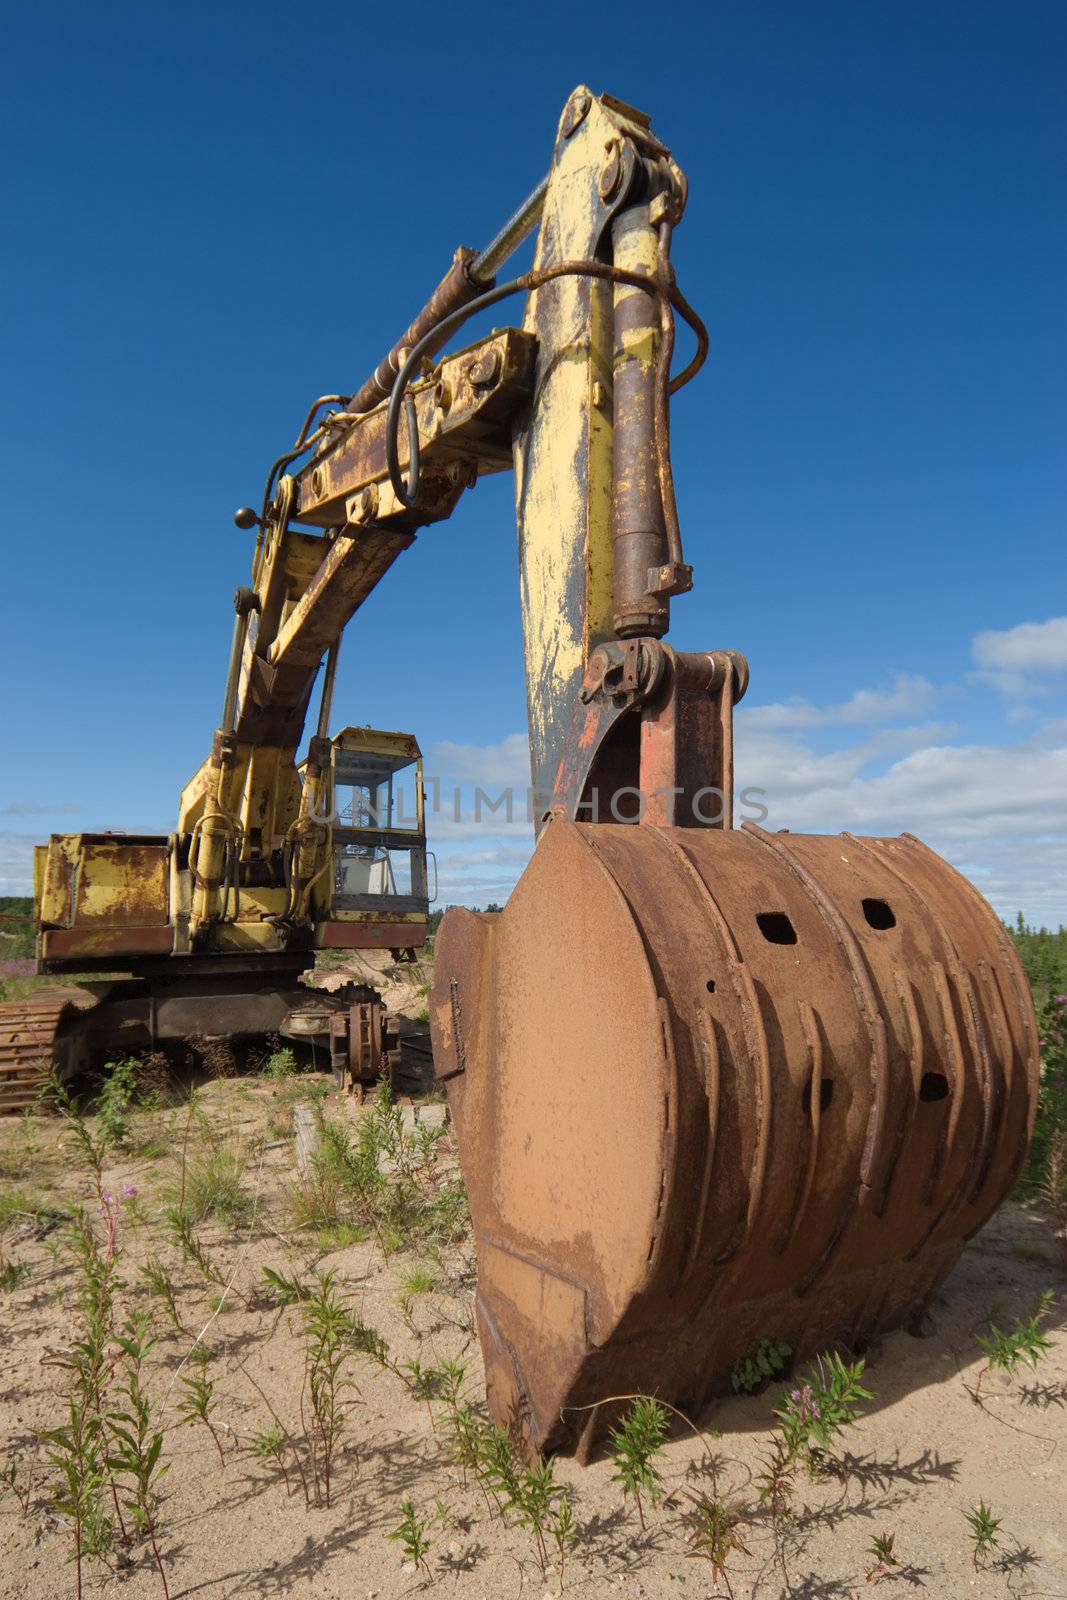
pixel 563 459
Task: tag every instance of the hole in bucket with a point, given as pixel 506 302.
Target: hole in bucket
pixel 879 913
pixel 826 1094
pixel 776 927
pixel 933 1086
pixel 711 985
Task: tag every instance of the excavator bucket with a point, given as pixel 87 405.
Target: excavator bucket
pixel 714 1085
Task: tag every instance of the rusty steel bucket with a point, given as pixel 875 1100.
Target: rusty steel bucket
pixel 711 1086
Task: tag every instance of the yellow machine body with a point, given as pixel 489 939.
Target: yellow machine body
pixel 106 899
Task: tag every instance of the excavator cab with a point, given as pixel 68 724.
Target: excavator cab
pixel 378 882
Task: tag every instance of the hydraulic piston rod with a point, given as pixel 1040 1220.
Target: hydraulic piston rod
pixel 469 276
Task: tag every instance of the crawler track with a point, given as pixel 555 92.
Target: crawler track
pixel 28 1031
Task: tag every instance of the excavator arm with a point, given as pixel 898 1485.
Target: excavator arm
pixel 576 400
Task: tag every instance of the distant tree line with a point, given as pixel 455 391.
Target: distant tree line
pixel 16 926
pixel 435 916
pixel 1043 955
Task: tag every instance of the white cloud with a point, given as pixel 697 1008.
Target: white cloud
pixel 1029 647
pixel 969 791
pixel 502 765
pixel 477 877
pixel 909 696
pixel 16 863
pixel 998 813
pixel 37 808
pixel 787 762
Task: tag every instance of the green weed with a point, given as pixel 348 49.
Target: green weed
pixel 114 1101
pixel 134 1444
pixel 328 1347
pixel 412 1535
pixel 984 1529
pixel 12 1274
pixel 18 1205
pixel 383 1179
pixel 198 1397
pixel 813 1416
pixel 154 1276
pixel 1023 1344
pixel 543 1506
pixel 280 1064
pixel 460 1427
pixel 182 1235
pixel 881 1549
pixel 86 1146
pixel 269 1446
pixel 634 1446
pixel 711 1534
pixel 419 1280
pixel 78 1450
pixel 498 1468
pixel 12 1483
pixel 78 1455
pixel 284 1291
pixel 1050 1126
pixel 1054 1187
pixel 765 1360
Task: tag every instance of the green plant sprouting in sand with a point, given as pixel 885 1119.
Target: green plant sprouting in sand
pixel 634 1446
pixel 1022 1344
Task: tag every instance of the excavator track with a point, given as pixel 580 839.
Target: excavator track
pixel 28 1032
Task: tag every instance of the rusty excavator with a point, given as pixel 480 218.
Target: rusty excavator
pixel 707 1083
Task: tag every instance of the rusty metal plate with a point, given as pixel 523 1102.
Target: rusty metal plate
pixel 711 1086
pixel 461 417
pixel 121 882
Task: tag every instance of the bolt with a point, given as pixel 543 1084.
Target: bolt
pixel 317 481
pixel 600 395
pixel 576 113
pixel 363 507
pixel 484 370
pixel 442 395
pixel 611 173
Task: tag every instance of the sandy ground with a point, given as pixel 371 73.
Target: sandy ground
pixel 923 1454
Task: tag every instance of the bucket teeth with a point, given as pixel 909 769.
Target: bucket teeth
pixel 714 1086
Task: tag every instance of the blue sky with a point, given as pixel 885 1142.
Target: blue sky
pixel 213 214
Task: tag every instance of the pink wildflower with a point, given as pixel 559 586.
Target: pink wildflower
pixel 804 1404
